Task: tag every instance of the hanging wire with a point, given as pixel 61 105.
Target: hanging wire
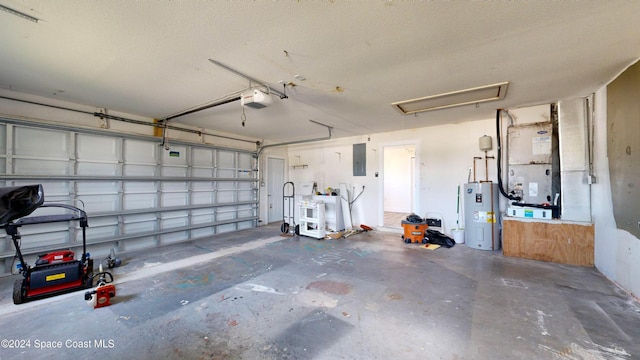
pixel 243 117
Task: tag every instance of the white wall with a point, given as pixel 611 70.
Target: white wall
pixel 617 252
pixel 444 155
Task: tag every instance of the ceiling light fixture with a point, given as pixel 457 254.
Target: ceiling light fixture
pixel 18 13
pixel 454 98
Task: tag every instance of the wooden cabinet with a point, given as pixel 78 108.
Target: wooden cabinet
pixel 549 240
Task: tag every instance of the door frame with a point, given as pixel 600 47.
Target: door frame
pixel 416 176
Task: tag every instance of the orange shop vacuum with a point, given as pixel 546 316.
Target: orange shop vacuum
pixel 414 229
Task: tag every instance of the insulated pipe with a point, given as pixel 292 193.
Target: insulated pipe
pixel 499 164
pixel 493 219
pixel 282 95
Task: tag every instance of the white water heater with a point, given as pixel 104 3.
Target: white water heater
pixel 481 212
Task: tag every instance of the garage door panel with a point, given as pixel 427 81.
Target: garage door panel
pixel 50 238
pixel 139 201
pixel 245 195
pixel 172 223
pixel 172 238
pixel 242 225
pixel 225 185
pixel 224 197
pixel 202 172
pixel 174 186
pixel 225 159
pixel 176 156
pixel 226 173
pixel 245 211
pixel 225 228
pixel 202 157
pixel 138 227
pixel 102 232
pixel 97 148
pixel 97 187
pixel 245 161
pixel 202 232
pixel 100 203
pixel 198 186
pixel 140 152
pixel 133 187
pixel 41 167
pixel 173 171
pixel 202 219
pixel 140 243
pixel 97 169
pixel 138 170
pixel 203 197
pixel 40 142
pixel 226 213
pixel 3 139
pixel 175 199
pixel 244 174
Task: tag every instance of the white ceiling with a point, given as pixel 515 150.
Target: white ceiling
pixel 150 58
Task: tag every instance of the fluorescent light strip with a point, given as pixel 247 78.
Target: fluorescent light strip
pixel 455 98
pixel 18 13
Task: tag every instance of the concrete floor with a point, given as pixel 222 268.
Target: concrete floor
pixel 258 295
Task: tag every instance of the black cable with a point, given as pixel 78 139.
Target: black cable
pixel 13 262
pixel 101 275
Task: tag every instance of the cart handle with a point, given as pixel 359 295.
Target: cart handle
pixel 79 214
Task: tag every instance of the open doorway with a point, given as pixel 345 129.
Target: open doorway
pixel 399 183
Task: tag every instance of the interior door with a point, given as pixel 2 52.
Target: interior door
pixel 275 182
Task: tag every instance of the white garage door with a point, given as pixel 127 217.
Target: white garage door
pixel 137 194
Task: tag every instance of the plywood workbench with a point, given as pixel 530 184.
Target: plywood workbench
pixel 548 240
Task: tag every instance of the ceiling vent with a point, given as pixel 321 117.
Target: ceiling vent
pixel 454 98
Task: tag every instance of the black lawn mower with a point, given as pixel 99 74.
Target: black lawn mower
pixel 54 272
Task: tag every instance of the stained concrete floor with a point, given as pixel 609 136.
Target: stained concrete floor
pixel 258 295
